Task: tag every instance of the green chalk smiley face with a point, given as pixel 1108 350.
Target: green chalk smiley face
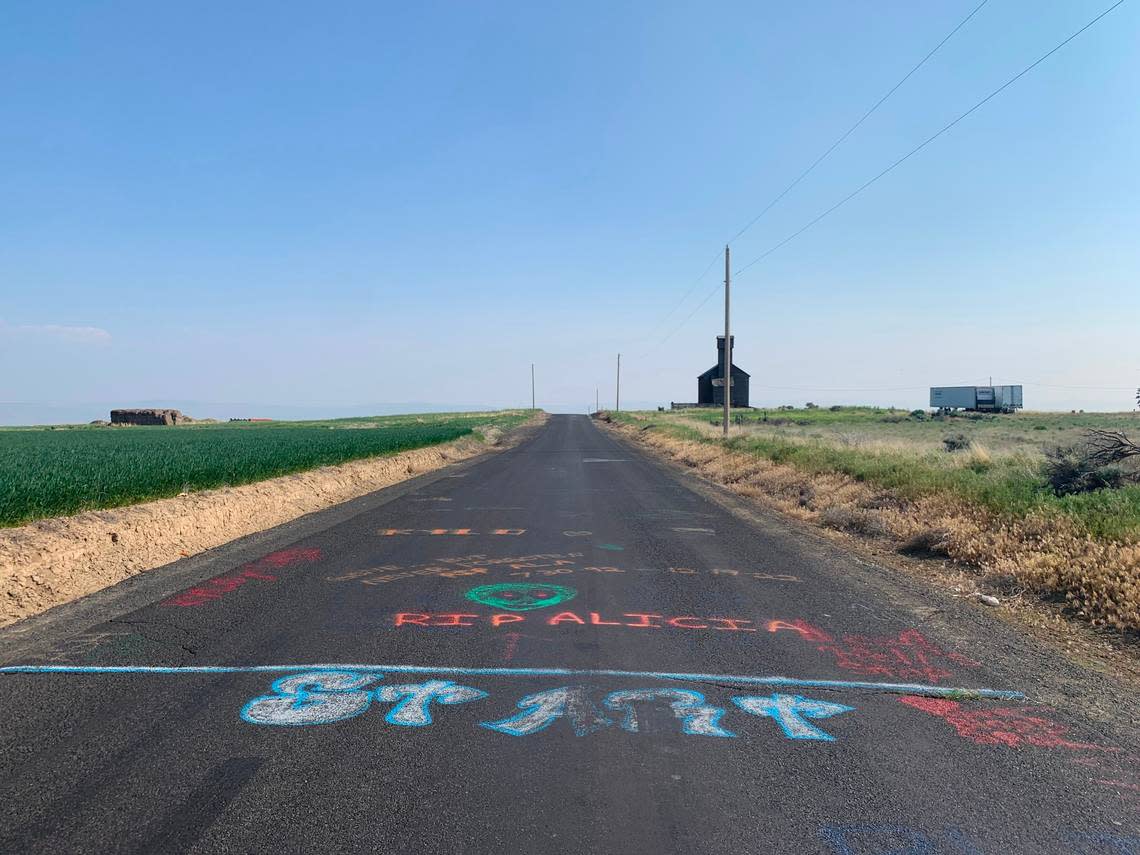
pixel 520 596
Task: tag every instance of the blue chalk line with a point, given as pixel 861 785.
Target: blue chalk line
pixel 894 688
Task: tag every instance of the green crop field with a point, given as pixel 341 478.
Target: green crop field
pixel 47 472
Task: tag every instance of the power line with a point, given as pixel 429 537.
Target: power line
pixel 925 142
pixel 807 172
pixel 681 302
pixel 855 126
pixel 689 316
pixel 1088 388
pixel 889 169
pixel 839 389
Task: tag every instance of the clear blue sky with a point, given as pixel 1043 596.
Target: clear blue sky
pixel 341 204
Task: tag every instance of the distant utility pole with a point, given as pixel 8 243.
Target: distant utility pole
pixel 617 393
pixel 727 343
pixel 532 385
pixel 597 400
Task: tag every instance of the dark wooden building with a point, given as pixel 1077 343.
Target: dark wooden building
pixel 710 386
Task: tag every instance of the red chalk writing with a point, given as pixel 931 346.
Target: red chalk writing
pixel 287 557
pixel 906 656
pixel 628 620
pixel 1119 770
pixel 219 586
pixel 1008 726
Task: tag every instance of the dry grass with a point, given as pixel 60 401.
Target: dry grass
pixel 1046 553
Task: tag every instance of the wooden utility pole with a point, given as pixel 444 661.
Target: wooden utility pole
pixel 597 400
pixel 532 385
pixel 617 393
pixel 727 344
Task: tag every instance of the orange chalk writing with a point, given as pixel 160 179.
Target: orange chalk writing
pixel 418 619
pixel 596 620
pixel 453 620
pixel 678 622
pixel 806 630
pixel 562 617
pixel 634 620
pixel 644 623
pixel 733 624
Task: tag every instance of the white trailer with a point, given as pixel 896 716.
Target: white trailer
pixel 985 399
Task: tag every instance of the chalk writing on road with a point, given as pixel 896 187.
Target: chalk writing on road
pixel 1007 726
pixel 539 566
pixel 330 696
pixel 907 656
pixel 258 571
pixel 520 596
pixel 455 532
pixel 630 620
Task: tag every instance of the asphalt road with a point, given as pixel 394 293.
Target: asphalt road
pixel 561 648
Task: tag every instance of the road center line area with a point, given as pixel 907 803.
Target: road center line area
pixel 615 686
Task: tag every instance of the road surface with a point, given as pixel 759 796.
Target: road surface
pixel 561 648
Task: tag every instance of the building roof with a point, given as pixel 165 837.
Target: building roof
pixel 737 371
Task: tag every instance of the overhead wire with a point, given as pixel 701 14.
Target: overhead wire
pixel 892 166
pixel 801 177
pixel 923 144
pixel 681 302
pixel 855 126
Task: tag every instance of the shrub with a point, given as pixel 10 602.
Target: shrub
pixel 853 520
pixel 884 502
pixel 1092 465
pixel 956 442
pixel 918 415
pixel 1070 470
pixel 835 408
pixel 927 543
pixel 810 406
